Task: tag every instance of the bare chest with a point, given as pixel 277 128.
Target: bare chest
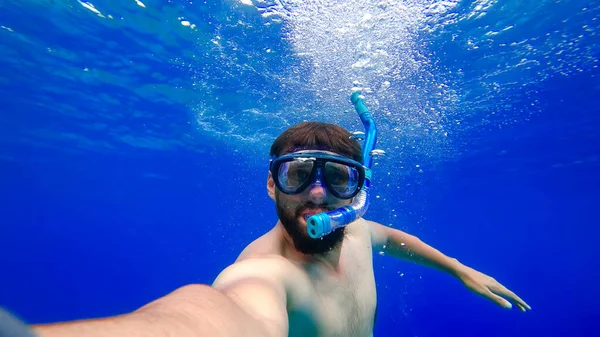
pixel 337 303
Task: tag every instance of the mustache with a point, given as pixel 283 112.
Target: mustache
pixel 312 206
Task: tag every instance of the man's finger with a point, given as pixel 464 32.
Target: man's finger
pixel 507 293
pixel 499 300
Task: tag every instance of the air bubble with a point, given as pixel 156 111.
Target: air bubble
pixel 377 153
pixel 358 135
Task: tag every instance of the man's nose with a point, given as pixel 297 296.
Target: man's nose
pixel 317 192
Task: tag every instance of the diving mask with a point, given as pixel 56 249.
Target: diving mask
pixel 293 173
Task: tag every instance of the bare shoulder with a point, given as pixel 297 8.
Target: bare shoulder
pixel 265 266
pixel 375 233
pixel 259 286
pixel 360 228
pixel 378 233
pixel 266 245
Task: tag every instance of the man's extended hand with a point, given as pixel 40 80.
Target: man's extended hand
pixel 489 288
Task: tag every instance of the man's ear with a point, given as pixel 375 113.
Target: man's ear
pixel 271 187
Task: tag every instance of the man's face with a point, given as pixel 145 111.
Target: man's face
pixel 294 209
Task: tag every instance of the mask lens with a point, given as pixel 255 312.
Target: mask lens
pixel 341 178
pixel 293 174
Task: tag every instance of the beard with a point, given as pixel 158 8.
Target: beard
pixel 302 241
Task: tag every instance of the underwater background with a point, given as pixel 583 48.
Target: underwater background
pixel 134 140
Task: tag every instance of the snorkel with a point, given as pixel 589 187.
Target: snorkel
pixel 322 224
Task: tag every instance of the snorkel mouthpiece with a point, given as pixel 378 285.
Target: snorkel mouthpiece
pixel 318 224
pixel 321 224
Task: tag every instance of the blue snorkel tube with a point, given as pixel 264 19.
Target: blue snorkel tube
pixel 322 224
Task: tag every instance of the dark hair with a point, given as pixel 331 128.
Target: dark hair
pixel 317 136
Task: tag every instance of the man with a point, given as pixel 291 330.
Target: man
pixel 286 283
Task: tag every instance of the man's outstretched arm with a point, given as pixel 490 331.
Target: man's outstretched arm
pixel 408 247
pixel 190 311
pixel 244 301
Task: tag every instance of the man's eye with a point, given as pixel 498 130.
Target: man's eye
pixel 338 178
pixel 302 174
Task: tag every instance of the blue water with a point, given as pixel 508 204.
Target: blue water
pixel 134 144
